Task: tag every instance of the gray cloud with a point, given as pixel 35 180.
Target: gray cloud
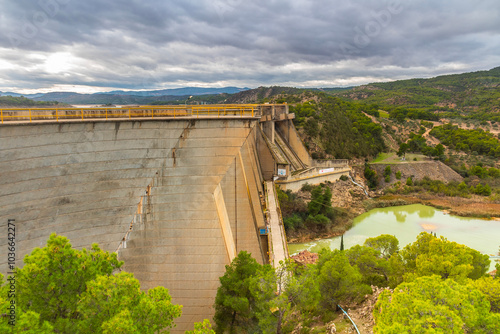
pixel 157 44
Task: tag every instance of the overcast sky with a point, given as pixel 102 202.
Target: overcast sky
pixel 90 45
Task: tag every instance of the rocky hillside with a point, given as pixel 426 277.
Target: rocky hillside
pixel 263 94
pixel 435 170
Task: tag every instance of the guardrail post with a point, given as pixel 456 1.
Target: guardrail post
pixel 57 117
pixel 1 114
pixel 30 115
pixel 82 113
pixel 129 113
pixel 174 112
pixel 152 113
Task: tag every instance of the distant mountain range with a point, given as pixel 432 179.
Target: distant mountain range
pixel 127 97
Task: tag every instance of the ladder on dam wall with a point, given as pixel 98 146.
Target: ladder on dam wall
pixel 278 248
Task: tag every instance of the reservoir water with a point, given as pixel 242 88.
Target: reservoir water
pixel 406 222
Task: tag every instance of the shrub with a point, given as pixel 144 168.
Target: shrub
pixel 371 177
pixel 409 182
pixel 307 187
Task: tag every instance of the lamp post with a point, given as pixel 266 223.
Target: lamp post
pixel 185 104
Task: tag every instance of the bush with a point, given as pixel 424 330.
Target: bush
pixel 398 175
pixel 307 187
pixel 371 177
pixel 409 182
pixel 344 178
pixel 293 222
pixel 387 174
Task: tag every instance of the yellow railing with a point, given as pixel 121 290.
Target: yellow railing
pixel 195 111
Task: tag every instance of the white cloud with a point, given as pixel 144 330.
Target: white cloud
pixel 156 44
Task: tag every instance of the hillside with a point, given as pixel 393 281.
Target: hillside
pixel 473 95
pixel 21 102
pixel 275 94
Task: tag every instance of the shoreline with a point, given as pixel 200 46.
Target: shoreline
pixel 457 206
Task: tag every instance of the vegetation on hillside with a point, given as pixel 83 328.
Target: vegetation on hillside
pixel 469 95
pixel 317 215
pixel 9 101
pixel 341 128
pixel 438 284
pixel 470 141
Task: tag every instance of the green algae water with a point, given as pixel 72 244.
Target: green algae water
pixel 406 222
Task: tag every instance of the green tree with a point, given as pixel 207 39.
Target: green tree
pixel 235 303
pixel 386 244
pixel 320 209
pixel 490 287
pixel 438 150
pixel 371 176
pixel 409 182
pixel 387 174
pixel 431 305
pixel 403 148
pixel 302 290
pixel 338 280
pixel 119 295
pixel 429 255
pixel 204 327
pixel 273 307
pixel 122 323
pixel 54 277
pixel 64 290
pixel 372 266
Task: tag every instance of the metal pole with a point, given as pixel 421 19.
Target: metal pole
pixel 57 117
pixel 30 115
pixel 1 114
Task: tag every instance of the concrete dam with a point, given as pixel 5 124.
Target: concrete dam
pixel 177 192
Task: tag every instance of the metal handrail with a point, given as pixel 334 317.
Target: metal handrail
pixel 58 114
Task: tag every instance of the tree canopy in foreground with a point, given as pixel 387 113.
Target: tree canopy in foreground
pixel 64 290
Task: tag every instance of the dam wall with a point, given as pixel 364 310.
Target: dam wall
pixel 177 199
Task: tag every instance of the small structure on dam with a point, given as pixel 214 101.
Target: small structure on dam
pixel 177 192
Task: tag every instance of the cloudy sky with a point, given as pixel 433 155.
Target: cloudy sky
pixel 90 45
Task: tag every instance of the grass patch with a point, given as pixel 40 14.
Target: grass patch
pixel 392 158
pixel 383 114
pixel 381 157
